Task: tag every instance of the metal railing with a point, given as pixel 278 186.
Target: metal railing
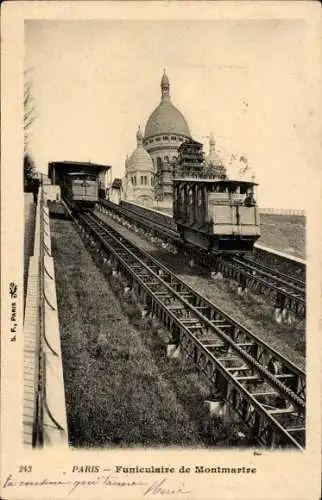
pixel 42 411
pixel 282 211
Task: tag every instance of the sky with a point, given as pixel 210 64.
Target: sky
pixel 247 81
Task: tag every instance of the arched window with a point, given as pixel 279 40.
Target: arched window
pixel 166 158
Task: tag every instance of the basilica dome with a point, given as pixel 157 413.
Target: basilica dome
pixel 166 118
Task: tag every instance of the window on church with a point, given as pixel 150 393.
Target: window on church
pixel 141 179
pixel 151 140
pixel 165 137
pixel 166 158
pixel 173 138
pixel 158 139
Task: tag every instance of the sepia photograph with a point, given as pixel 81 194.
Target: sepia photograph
pixel 166 222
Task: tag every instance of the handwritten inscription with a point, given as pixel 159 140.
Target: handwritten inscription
pixel 72 484
pixel 110 481
pixel 165 484
pixel 13 292
pixel 161 488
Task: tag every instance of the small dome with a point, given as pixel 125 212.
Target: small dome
pixel 213 159
pixel 140 158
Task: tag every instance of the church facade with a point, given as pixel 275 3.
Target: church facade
pixel 149 170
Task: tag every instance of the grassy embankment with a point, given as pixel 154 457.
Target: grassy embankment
pixel 121 390
pixel 285 233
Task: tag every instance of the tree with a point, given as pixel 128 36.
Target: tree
pixel 28 119
pixel 29 170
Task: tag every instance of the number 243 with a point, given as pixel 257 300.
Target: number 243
pixel 25 468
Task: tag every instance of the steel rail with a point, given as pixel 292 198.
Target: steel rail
pixel 211 312
pixel 189 305
pixel 269 281
pixel 294 300
pixel 123 252
pixel 288 279
pixel 293 284
pixel 142 221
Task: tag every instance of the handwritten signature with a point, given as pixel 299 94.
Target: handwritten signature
pixel 159 487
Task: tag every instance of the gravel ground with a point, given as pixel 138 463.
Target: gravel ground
pixel 252 312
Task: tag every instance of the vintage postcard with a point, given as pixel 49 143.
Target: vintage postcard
pixel 161 250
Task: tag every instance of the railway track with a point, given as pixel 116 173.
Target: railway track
pixel 144 222
pixel 290 281
pixel 265 389
pixel 282 290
